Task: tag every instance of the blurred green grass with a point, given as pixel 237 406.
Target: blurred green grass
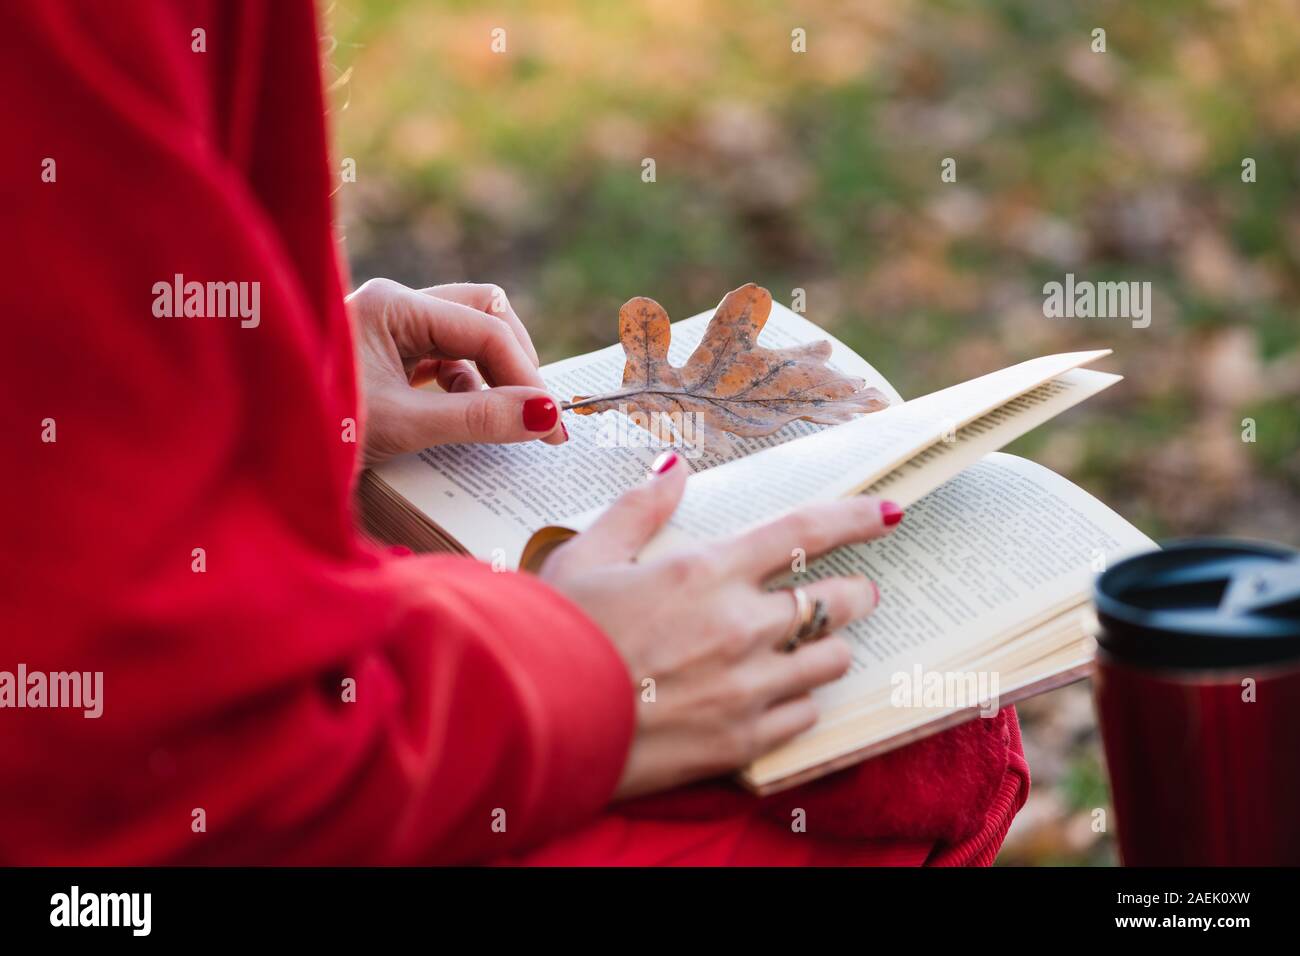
pixel 820 171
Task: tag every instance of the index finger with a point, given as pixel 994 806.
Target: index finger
pixel 490 298
pixel 814 530
pixel 423 324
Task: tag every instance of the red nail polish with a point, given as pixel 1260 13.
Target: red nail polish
pixel 565 430
pixel 540 414
pixel 890 513
pixel 664 462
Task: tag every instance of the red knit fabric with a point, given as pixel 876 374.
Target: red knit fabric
pixel 939 788
pixel 727 828
pixel 189 532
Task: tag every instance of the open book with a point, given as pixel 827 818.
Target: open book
pixel 984 586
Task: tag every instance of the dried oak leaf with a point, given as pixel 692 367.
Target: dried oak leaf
pixel 730 383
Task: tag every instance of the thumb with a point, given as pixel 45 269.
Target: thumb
pixel 509 413
pixel 636 517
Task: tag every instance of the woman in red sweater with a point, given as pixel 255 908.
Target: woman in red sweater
pixel 180 521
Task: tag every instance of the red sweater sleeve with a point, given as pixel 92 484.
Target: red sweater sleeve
pixel 180 506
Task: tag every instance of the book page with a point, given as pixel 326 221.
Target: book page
pixel 1002 545
pixel 979 575
pixel 989 411
pixel 1050 655
pixel 964 446
pixel 491 498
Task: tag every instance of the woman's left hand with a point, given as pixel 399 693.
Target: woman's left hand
pixel 409 337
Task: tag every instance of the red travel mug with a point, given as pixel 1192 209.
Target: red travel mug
pixel 1197 690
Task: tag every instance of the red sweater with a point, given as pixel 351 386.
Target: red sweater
pixel 179 509
pixel 223 689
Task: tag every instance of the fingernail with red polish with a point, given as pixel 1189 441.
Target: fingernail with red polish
pixel 664 462
pixel 540 414
pixel 890 513
pixel 565 430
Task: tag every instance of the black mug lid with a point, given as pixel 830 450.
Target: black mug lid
pixel 1202 604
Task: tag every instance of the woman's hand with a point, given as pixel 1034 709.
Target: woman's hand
pixel 703 628
pixel 408 337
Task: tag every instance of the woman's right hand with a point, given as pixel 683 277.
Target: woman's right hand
pixel 702 627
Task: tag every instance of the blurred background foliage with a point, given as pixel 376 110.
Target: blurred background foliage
pixel 821 171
